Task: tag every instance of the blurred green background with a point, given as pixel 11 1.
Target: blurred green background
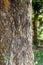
pixel 37 18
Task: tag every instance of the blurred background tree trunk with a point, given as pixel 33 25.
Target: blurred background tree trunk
pixel 35 26
pixel 16 32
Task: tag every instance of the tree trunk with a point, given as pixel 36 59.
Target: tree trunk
pixel 16 33
pixel 35 26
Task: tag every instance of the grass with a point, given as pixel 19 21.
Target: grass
pixel 38 58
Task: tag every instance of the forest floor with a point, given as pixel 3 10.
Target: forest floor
pixel 38 56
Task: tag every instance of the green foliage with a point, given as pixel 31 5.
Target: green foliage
pixel 37 5
pixel 6 58
pixel 38 58
pixel 37 10
pixel 40 33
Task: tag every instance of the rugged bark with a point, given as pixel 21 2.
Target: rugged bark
pixel 16 33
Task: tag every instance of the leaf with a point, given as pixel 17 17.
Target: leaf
pixel 6 58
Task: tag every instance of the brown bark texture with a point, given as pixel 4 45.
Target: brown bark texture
pixel 16 32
